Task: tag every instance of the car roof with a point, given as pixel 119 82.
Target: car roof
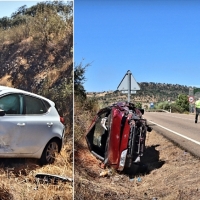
pixel 5 89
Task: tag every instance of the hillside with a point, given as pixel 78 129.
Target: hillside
pixel 149 92
pixel 36 55
pixel 45 70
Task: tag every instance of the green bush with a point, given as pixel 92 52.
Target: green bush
pixel 163 105
pixel 183 102
pixel 176 108
pixel 138 105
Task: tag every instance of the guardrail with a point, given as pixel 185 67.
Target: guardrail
pixel 157 110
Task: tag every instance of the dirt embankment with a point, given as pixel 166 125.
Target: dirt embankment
pixel 173 174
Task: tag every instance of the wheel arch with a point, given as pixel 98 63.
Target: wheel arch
pixel 43 159
pixel 59 140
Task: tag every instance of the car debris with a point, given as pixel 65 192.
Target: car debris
pixel 131 179
pixel 104 173
pixel 8 170
pixel 117 135
pixel 51 178
pixel 139 179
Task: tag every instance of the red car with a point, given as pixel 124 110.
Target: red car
pixel 117 135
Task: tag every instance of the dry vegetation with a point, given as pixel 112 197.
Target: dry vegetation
pixel 17 179
pixel 173 174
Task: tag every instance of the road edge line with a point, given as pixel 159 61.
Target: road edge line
pixel 183 136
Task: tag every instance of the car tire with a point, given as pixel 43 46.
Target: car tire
pixel 131 147
pixel 49 152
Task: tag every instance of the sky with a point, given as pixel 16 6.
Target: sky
pixel 157 40
pixel 9 7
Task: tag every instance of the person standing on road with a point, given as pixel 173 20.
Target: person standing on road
pixel 197 106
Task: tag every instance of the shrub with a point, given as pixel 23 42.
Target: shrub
pixel 176 108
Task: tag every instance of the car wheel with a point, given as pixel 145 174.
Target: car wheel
pixel 49 153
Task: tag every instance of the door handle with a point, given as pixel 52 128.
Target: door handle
pixel 21 124
pixel 49 124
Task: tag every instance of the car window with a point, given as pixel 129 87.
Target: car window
pixel 34 105
pixel 11 104
pixel 47 105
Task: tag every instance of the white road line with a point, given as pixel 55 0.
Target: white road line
pixel 179 117
pixel 183 136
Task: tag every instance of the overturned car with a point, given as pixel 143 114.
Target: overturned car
pixel 117 135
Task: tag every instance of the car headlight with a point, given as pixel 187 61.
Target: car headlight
pixel 122 160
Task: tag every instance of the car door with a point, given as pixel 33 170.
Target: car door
pixel 36 128
pixel 12 105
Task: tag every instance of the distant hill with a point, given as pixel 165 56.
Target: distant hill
pixel 149 92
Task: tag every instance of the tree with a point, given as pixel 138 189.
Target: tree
pixel 138 105
pixel 47 24
pixel 183 102
pixel 5 23
pixel 79 79
pixel 21 11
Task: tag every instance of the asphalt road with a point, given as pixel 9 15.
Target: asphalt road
pixel 180 128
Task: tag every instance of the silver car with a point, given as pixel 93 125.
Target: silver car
pixel 30 126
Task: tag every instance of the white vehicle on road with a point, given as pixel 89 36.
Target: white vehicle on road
pixel 30 126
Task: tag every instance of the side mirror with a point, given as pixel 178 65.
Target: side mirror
pixel 2 112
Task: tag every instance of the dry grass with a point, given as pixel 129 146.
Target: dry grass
pixel 173 174
pixel 17 178
pixel 5 81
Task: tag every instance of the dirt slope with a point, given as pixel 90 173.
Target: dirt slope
pixel 173 174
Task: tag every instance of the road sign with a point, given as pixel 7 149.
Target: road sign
pixel 191 92
pixel 191 99
pixel 124 83
pixel 151 105
pixel 128 84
